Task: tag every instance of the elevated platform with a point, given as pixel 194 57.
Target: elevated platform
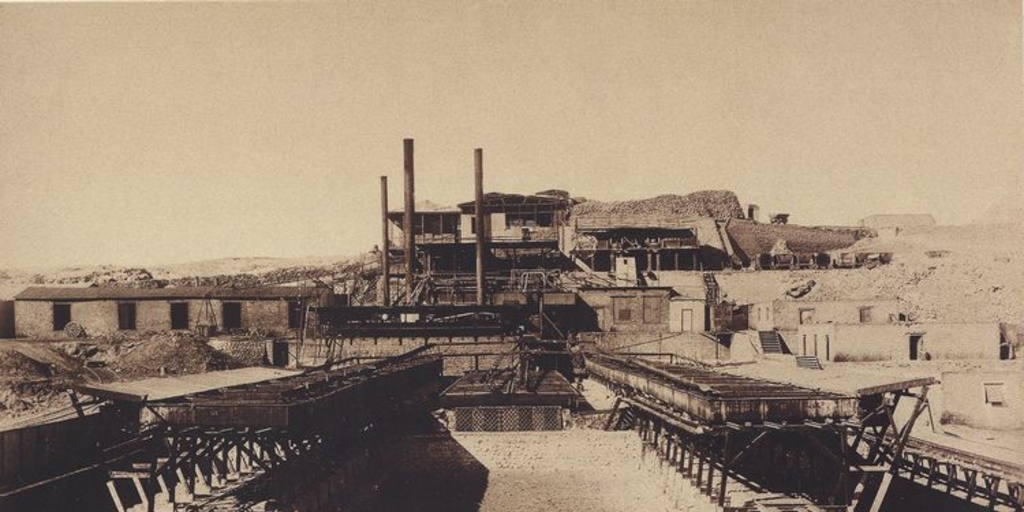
pixel 276 399
pixel 164 388
pixel 713 398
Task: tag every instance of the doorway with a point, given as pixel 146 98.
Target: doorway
pixel 687 319
pixel 915 346
pixel 279 356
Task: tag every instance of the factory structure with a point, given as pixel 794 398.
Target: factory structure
pixel 497 310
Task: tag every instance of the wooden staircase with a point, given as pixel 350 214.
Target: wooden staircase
pixel 771 343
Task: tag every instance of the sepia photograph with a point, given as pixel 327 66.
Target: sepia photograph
pixel 512 256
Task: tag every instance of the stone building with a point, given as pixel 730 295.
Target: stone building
pixel 43 312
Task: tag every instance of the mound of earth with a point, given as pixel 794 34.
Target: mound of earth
pixel 20 366
pixel 33 377
pixel 169 353
pixel 719 204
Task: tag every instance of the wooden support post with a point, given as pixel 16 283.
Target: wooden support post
pixel 700 466
pixel 971 476
pixel 901 436
pixel 725 471
pixel 689 455
pixel 992 486
pixel 115 496
pixel 709 484
pixel 147 502
pixel 188 487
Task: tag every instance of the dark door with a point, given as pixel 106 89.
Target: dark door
pixel 61 316
pixel 179 315
pixel 915 346
pixel 280 353
pixel 126 316
pixel 231 312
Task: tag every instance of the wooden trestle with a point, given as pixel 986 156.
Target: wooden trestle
pixel 740 439
pixel 195 444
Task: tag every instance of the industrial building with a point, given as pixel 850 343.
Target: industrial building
pixel 45 312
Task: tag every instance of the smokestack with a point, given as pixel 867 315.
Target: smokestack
pixel 385 262
pixel 410 212
pixel 479 220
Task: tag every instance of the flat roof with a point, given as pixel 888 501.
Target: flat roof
pixel 837 377
pixel 164 388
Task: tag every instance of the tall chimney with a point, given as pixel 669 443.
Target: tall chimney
pixel 478 209
pixel 410 212
pixel 385 262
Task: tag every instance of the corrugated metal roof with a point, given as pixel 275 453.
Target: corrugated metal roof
pixel 185 292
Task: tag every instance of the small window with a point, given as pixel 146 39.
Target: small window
pixel 994 394
pixel 126 316
pixel 806 316
pixel 179 315
pixel 624 309
pixel 865 315
pixel 61 316
pixel 623 314
pixel 231 312
pixel 294 314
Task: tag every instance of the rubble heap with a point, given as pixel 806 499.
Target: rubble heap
pixel 719 204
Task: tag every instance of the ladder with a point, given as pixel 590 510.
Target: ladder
pixel 711 290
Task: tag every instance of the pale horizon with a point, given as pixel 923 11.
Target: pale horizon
pixel 149 134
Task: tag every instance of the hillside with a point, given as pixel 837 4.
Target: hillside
pixel 352 272
pixel 945 273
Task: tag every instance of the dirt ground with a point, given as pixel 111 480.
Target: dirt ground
pixel 574 470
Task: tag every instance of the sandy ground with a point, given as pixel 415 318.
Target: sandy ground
pixel 573 470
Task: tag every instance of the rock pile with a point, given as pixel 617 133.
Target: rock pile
pixel 177 353
pixel 720 204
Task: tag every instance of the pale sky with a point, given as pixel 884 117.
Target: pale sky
pixel 152 133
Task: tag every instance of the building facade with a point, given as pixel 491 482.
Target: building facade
pixel 897 342
pixel 44 312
